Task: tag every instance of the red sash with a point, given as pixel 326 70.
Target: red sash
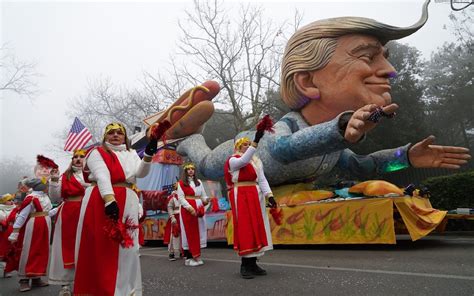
pixel 97 264
pixel 190 222
pixel 249 229
pixel 69 213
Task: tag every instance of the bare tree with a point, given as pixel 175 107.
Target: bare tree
pixel 461 26
pixel 17 76
pixel 241 51
pixel 106 102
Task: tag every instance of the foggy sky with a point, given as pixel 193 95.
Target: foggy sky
pixel 73 43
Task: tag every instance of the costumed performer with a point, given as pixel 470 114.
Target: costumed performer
pixel 107 258
pixel 8 211
pixel 192 198
pixel 172 235
pixel 248 188
pixel 32 230
pixel 70 187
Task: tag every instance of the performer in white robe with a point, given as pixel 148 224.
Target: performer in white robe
pixel 192 198
pixel 104 266
pixel 70 188
pixel 32 230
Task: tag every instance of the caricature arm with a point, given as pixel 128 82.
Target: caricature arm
pixel 380 162
pixel 287 146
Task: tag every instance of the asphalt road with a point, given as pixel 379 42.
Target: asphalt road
pixel 434 265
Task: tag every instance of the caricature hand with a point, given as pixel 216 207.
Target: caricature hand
pixel 426 155
pixel 359 124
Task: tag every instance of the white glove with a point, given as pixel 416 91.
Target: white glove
pixel 173 220
pixel 53 212
pixel 13 237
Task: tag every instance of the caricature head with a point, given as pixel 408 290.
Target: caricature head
pixel 341 62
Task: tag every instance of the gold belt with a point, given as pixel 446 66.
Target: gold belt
pixel 119 184
pixel 38 214
pixel 192 197
pixel 74 198
pixel 242 184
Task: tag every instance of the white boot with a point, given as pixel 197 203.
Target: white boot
pixel 65 291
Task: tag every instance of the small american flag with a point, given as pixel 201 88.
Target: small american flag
pixel 78 136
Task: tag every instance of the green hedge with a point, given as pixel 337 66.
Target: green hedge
pixel 451 192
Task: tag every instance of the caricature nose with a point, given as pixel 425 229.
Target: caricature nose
pixel 385 69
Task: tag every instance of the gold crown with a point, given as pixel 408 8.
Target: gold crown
pixel 6 197
pixel 114 126
pixel 81 152
pixel 189 165
pixel 240 142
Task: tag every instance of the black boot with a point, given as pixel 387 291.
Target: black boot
pixel 245 269
pixel 256 270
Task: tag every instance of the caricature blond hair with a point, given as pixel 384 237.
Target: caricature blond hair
pixel 311 47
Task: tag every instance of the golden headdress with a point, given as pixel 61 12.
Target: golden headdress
pixel 189 165
pixel 114 126
pixel 6 197
pixel 240 142
pixel 80 152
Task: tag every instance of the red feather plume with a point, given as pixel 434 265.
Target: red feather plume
pixel 120 232
pixel 46 162
pixel 265 124
pixel 159 130
pixel 277 214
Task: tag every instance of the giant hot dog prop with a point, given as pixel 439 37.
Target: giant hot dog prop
pixel 190 111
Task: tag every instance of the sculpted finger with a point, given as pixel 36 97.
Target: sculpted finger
pixel 428 141
pixel 369 108
pixel 365 115
pixel 457 155
pixel 389 109
pixel 356 124
pixel 453 149
pixel 454 161
pixel 449 166
pixel 352 135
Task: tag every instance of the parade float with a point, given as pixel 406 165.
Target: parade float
pixel 370 212
pixel 316 138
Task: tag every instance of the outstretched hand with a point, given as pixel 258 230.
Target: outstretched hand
pixel 359 123
pixel 426 155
